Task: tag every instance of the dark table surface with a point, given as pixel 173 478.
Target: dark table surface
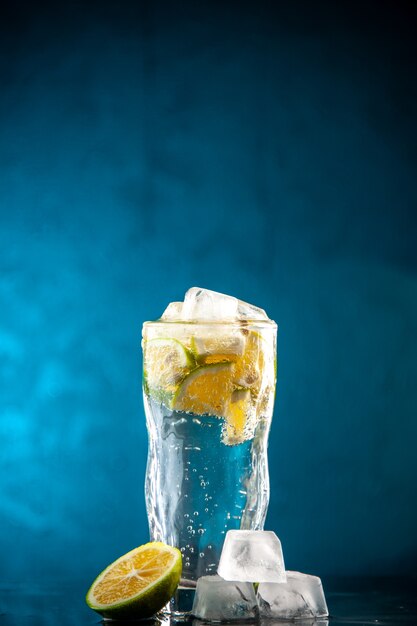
pixel 380 602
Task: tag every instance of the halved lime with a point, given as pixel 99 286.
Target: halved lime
pixel 138 584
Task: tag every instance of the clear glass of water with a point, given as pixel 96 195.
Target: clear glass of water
pixel 208 393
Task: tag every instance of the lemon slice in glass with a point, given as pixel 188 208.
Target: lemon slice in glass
pixel 239 417
pixel 249 367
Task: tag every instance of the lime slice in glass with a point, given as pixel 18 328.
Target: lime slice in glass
pixel 166 363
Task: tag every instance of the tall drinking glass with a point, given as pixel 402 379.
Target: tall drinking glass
pixel 208 394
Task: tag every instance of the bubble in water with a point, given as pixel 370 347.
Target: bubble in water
pixel 186 515
pixel 194 470
pixel 195 513
pixel 201 554
pixel 189 528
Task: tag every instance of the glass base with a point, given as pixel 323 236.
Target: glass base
pixel 181 604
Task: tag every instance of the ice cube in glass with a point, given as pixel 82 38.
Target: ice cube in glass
pixel 173 311
pixel 246 311
pixel 203 304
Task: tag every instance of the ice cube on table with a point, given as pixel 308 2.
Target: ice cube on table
pixel 302 596
pixel 301 621
pixel 252 556
pixel 203 304
pixel 221 600
pixel 173 311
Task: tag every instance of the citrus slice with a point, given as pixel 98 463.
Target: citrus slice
pixel 166 363
pixel 138 584
pixel 239 413
pixel 206 390
pixel 250 366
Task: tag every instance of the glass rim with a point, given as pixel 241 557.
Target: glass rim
pixel 215 323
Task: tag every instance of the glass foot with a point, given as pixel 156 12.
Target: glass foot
pixel 181 604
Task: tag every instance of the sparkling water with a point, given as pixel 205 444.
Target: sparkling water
pixel 198 487
pixel 209 373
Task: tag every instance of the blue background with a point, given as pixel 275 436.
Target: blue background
pixel 266 150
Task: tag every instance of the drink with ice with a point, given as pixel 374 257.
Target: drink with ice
pixel 209 383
